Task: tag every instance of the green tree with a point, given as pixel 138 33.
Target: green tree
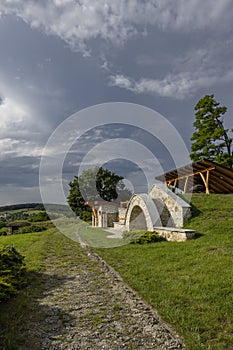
pixel 95 184
pixel 210 139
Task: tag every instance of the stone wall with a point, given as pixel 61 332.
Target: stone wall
pixel 173 234
pixel 178 209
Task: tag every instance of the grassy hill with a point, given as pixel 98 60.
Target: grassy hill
pixel 189 283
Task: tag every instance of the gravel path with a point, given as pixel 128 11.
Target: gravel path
pixel 88 306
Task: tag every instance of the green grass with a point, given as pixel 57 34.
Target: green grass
pixel 98 237
pixel 32 245
pixel 79 230
pixel 189 283
pixel 42 249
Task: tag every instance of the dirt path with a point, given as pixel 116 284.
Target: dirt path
pixel 86 305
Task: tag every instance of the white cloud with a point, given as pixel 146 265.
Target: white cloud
pixel 19 132
pixel 14 117
pixel 18 119
pixel 176 86
pixel 14 148
pixel 79 22
pixel 76 22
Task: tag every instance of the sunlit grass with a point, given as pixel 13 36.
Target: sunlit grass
pixel 189 283
pixel 41 250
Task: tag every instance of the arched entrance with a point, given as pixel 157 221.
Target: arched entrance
pixel 137 220
pixel 142 213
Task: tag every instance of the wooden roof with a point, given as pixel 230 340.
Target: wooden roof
pixel 215 178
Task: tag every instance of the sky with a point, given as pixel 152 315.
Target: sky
pixel 60 57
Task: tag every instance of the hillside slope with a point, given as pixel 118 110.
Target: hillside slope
pixel 189 283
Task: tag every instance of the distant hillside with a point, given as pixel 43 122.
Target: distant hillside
pixel 35 206
pixel 54 208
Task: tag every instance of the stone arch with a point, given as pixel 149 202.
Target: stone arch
pixel 164 212
pixel 174 209
pixel 142 213
pixel 161 207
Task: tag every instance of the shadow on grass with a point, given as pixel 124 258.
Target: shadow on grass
pixel 25 321
pixel 195 211
pixel 198 235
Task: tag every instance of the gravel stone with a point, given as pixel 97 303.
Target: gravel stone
pixel 88 306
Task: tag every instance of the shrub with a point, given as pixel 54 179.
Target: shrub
pixel 12 272
pixel 30 229
pixel 142 237
pixel 149 237
pixel 86 216
pixel 3 232
pixel 38 217
pixel 2 223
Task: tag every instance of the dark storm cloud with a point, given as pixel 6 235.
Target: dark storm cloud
pixel 20 172
pixel 60 56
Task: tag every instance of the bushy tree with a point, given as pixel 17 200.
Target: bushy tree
pixel 41 216
pixel 210 139
pixel 96 184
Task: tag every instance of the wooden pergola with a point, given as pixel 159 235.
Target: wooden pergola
pixel 213 177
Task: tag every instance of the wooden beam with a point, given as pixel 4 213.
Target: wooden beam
pixel 191 174
pixel 169 183
pixel 94 211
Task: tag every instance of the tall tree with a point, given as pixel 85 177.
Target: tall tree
pixel 96 184
pixel 210 139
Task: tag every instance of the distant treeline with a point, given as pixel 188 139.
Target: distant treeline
pixel 35 206
pixel 55 208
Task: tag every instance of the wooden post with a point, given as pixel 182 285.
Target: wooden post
pixel 95 217
pixel 186 184
pixel 206 182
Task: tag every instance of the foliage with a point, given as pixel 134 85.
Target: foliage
pixel 37 217
pixel 30 229
pixel 2 223
pixel 3 231
pixel 210 139
pixel 96 184
pixel 149 237
pixel 35 206
pixel 12 272
pixel 142 237
pixel 19 223
pixel 33 217
pixel 86 216
pixel 19 215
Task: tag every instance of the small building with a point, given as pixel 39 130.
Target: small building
pixel 104 214
pixel 3 216
pixel 15 225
